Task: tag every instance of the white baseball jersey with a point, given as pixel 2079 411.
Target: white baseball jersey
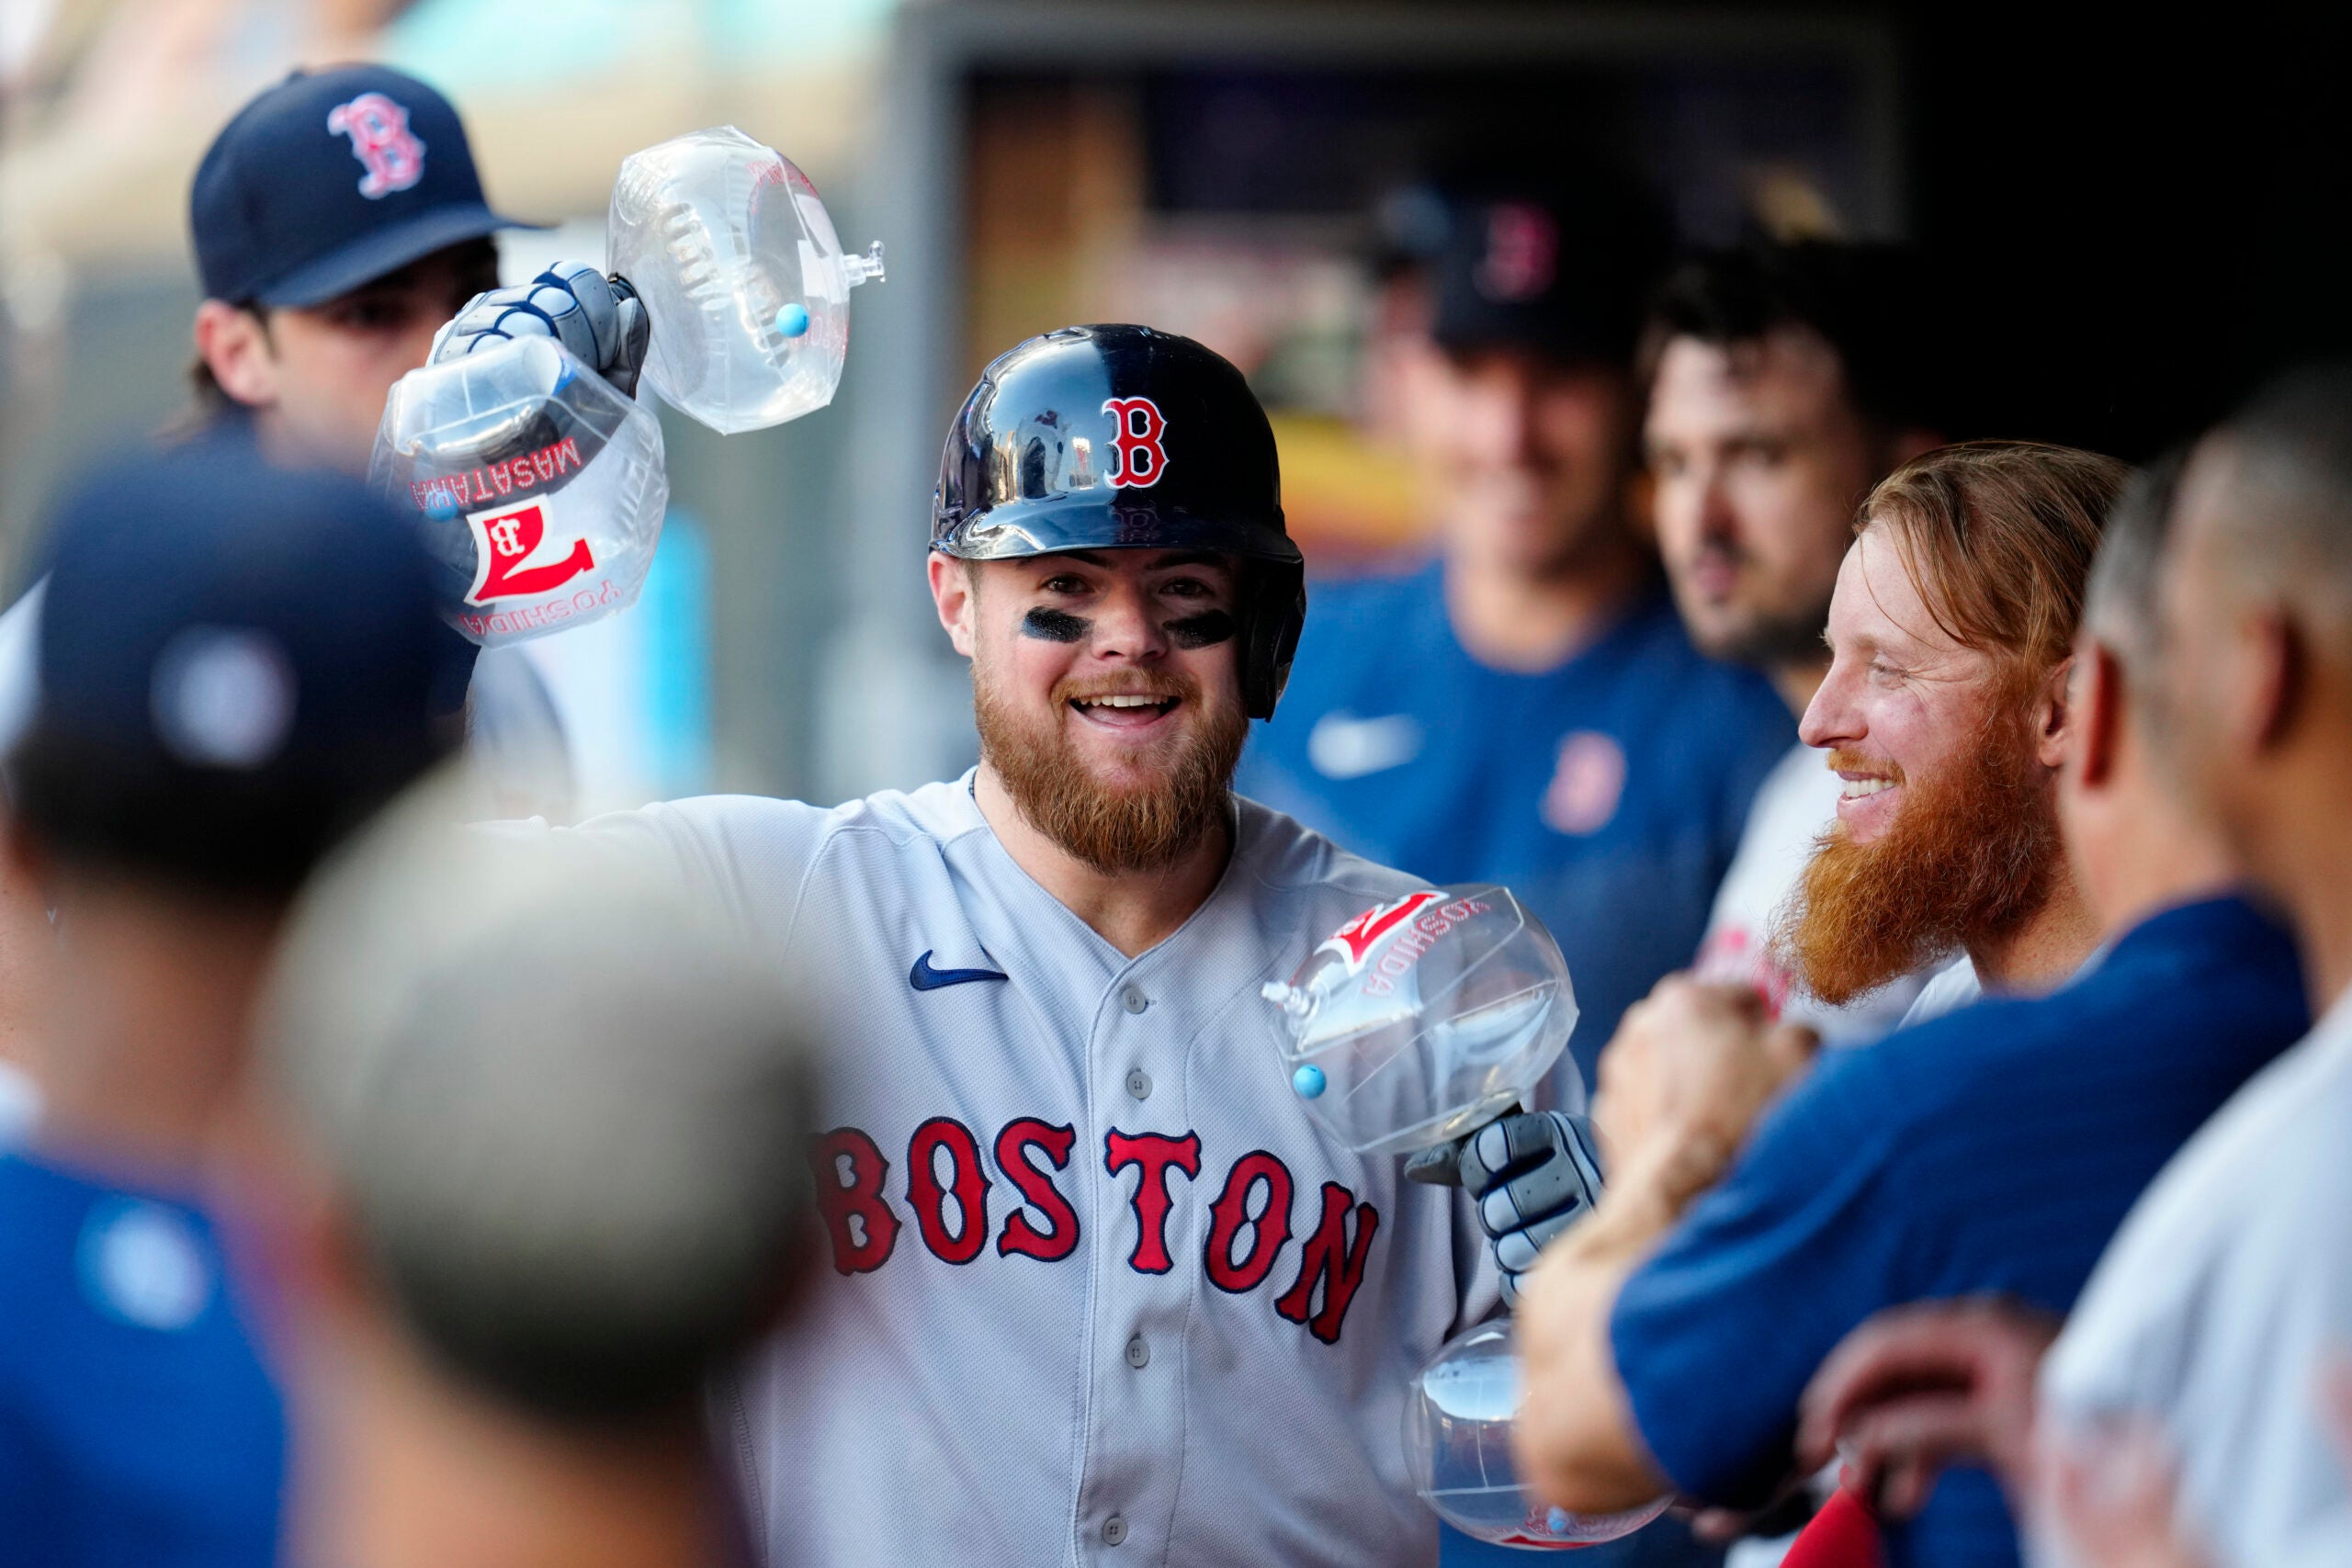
pixel 1795 803
pixel 1100 1291
pixel 2220 1312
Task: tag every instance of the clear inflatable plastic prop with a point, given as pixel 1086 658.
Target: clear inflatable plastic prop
pixel 540 487
pixel 1457 1446
pixel 1408 1030
pixel 1423 1019
pixel 742 273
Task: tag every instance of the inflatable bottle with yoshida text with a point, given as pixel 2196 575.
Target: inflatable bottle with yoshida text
pixel 1405 1030
pixel 540 486
pixel 1426 1018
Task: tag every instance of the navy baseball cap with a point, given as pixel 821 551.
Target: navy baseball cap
pixel 1561 269
pixel 237 663
pixel 331 179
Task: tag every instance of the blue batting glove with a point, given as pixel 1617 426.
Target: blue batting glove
pixel 599 318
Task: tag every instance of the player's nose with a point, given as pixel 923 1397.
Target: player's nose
pixel 1125 628
pixel 1834 718
pixel 1718 519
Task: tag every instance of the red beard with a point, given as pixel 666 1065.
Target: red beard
pixel 1148 827
pixel 1971 857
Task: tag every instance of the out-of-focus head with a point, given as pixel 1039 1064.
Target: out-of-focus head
pixel 1783 384
pixel 2116 691
pixel 2255 619
pixel 551 1118
pixel 338 220
pixel 1521 406
pixel 1108 550
pixel 1944 708
pixel 236 665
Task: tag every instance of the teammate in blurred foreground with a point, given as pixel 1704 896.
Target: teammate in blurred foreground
pixel 1526 708
pixel 2217 1321
pixel 1784 382
pixel 220 698
pixel 337 221
pixel 1101 1287
pixel 543 1171
pixel 1993 1149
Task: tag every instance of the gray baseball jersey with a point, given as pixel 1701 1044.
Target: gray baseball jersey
pixel 1099 1291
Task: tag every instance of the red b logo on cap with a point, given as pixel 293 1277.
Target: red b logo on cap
pixel 382 142
pixel 1137 456
pixel 1522 253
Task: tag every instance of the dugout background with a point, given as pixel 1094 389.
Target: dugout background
pixel 2133 223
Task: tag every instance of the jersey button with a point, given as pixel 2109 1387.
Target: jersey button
pixel 1138 1353
pixel 1131 997
pixel 1114 1530
pixel 1140 1083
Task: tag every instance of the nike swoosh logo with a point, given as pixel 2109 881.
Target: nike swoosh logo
pixel 1342 746
pixel 923 977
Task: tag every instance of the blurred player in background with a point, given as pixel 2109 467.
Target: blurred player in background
pixel 1526 708
pixel 1991 1150
pixel 221 699
pixel 2219 1322
pixel 1783 384
pixel 338 221
pixel 540 1172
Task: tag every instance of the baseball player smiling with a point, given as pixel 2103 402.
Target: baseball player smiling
pixel 1099 1291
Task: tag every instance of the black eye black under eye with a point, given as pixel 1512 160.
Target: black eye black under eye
pixel 1205 630
pixel 1055 625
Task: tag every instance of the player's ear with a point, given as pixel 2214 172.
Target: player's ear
pixel 954 589
pixel 234 344
pixel 2054 716
pixel 2097 702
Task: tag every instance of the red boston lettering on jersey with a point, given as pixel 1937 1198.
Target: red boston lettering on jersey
pixel 1328 1257
pixel 1137 458
pixel 1357 938
pixel 1156 1155
pixel 848 1169
pixel 503 541
pixel 1037 1189
pixel 969 1184
pixel 1231 1211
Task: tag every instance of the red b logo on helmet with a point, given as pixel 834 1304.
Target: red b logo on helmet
pixel 382 142
pixel 1137 456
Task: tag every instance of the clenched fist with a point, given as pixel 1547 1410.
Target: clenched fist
pixel 599 318
pixel 1694 1063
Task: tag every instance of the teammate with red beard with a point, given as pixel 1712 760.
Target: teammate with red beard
pixel 1784 382
pixel 1670 1338
pixel 1101 1288
pixel 1944 628
pixel 1943 711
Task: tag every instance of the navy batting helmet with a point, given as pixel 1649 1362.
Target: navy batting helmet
pixel 1118 438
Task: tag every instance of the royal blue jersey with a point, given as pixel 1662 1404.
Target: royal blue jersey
pixel 1991 1151
pixel 1608 793
pixel 137 1424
